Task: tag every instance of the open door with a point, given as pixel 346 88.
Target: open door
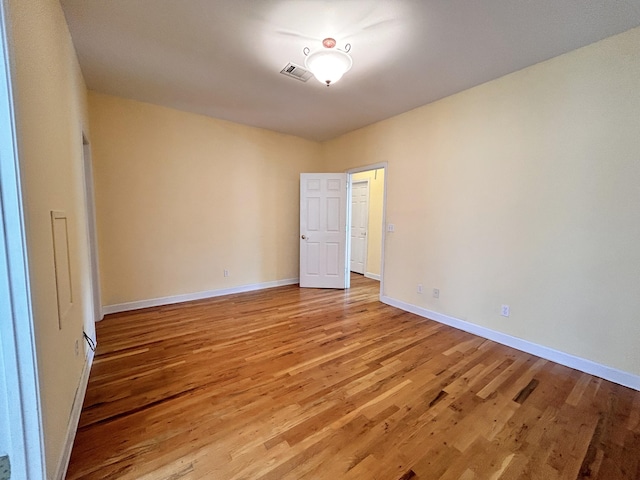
pixel 323 230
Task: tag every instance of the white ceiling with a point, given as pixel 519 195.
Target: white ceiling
pixel 222 58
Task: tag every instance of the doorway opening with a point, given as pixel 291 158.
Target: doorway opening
pixel 366 221
pixel 92 236
pixel 325 219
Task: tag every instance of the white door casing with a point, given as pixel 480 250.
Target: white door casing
pixel 92 238
pixel 323 230
pixel 21 425
pixel 359 225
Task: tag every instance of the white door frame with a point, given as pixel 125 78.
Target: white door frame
pixel 92 235
pixel 19 376
pixel 376 166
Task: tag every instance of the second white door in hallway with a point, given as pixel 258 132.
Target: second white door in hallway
pixel 359 225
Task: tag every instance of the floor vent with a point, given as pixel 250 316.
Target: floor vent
pixel 296 71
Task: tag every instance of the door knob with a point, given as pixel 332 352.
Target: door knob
pixel 303 237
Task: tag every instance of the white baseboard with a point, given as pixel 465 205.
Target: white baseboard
pixel 72 426
pixel 188 297
pixel 608 373
pixel 372 276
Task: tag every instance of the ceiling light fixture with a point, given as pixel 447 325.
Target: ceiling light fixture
pixel 328 64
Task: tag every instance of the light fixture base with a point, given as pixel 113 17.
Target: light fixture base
pixel 328 64
pixel 329 42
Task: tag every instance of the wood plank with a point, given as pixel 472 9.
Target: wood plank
pixel 293 383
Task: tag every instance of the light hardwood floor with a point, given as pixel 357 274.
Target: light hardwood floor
pixel 292 383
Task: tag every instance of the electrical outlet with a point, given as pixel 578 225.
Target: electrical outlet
pixel 420 288
pixel 391 228
pixel 436 293
pixel 226 272
pixel 505 310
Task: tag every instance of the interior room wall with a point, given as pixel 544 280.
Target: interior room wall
pixel 522 191
pixel 181 197
pixel 374 231
pixel 50 108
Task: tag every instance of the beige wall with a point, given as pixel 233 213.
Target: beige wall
pixel 49 96
pixel 522 191
pixel 374 231
pixel 181 197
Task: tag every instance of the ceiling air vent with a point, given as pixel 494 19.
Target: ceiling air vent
pixel 296 71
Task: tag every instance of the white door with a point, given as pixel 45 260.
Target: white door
pixel 323 230
pixel 359 225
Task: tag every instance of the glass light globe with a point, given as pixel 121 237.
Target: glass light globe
pixel 328 65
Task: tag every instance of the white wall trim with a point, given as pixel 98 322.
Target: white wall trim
pixel 74 419
pixel 366 168
pixel 587 366
pixel 188 297
pixel 372 276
